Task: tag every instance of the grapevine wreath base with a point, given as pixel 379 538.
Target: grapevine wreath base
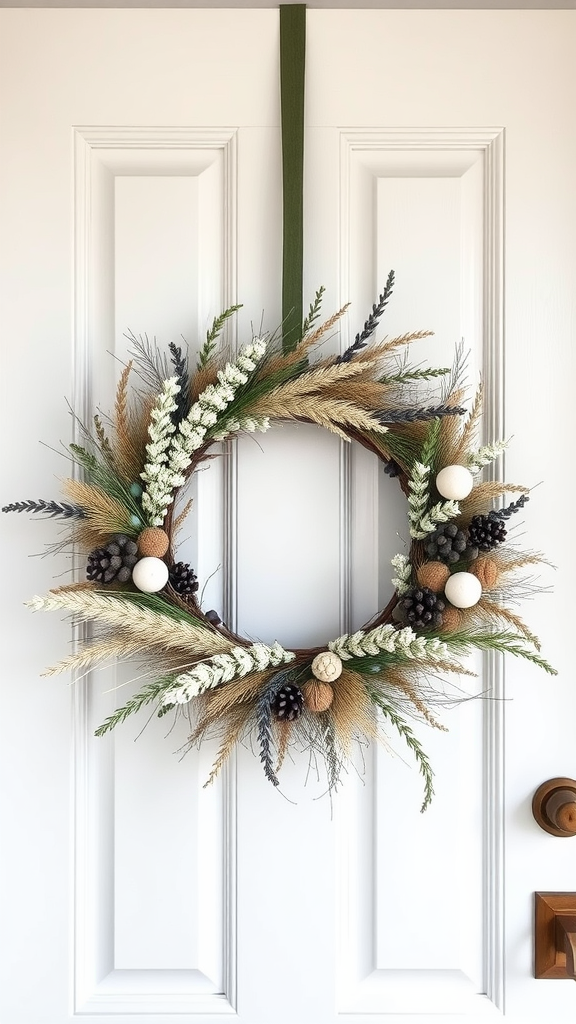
pixel 453 587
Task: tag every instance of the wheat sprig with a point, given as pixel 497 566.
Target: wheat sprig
pixel 470 428
pixel 151 627
pixel 104 513
pixel 351 710
pixel 311 339
pixel 480 499
pixel 331 413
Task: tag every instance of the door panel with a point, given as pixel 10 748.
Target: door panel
pixel 141 191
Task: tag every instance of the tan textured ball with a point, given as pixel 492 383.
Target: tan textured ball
pixel 487 571
pixel 153 542
pixel 451 619
pixel 317 696
pixel 433 575
pixel 326 667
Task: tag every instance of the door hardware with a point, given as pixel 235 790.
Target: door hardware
pixel 555 935
pixel 554 806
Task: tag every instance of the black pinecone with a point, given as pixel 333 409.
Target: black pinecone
pixel 487 532
pixel 288 702
pixel 183 579
pixel 392 468
pixel 423 608
pixel 448 544
pixel 113 563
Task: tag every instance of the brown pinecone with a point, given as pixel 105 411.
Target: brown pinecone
pixel 114 562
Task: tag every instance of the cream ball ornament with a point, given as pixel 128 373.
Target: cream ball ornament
pixel 326 667
pixel 463 590
pixel 454 482
pixel 150 575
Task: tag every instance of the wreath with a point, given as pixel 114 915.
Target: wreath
pixel 452 589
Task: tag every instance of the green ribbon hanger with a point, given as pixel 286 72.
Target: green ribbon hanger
pixel 292 64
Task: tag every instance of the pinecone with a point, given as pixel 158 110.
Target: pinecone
pixel 287 704
pixel 183 579
pixel 113 563
pixel 423 608
pixel 487 532
pixel 392 468
pixel 448 544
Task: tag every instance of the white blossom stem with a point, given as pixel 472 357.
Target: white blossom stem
pixel 222 668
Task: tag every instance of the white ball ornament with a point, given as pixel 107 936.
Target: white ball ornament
pixel 463 589
pixel 327 667
pixel 150 574
pixel 454 482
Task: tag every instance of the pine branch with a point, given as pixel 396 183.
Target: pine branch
pixel 408 376
pixel 405 731
pixel 457 376
pixel 370 324
pixel 213 334
pixel 145 696
pixel 151 364
pixel 62 510
pixel 505 642
pixel 314 311
pixel 104 477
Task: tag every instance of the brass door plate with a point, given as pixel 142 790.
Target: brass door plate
pixel 549 960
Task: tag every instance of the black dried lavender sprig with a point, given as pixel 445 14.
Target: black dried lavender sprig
pixel 182 400
pixel 371 323
pixel 413 415
pixel 505 513
pixel 48 508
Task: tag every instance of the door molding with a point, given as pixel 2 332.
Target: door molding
pixel 365 156
pixel 101 154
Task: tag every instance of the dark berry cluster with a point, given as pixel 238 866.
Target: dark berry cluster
pixel 448 544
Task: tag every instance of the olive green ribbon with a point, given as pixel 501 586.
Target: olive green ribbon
pixel 292 64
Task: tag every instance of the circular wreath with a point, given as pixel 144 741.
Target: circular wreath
pixel 452 588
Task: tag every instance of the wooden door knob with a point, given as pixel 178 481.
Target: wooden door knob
pixel 554 806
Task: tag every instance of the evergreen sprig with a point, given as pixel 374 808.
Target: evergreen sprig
pixel 410 376
pixel 405 731
pixel 314 311
pixel 151 364
pixel 209 346
pixel 503 641
pixel 370 325
pixel 103 475
pixel 62 510
pixel 150 692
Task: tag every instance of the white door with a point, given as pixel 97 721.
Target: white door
pixel 141 190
